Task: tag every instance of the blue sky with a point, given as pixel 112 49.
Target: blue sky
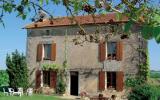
pixel 14 37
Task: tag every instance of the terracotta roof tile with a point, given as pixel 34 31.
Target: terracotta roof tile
pixel 83 20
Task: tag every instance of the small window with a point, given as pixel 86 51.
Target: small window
pixel 111 80
pixel 47 51
pixel 111 50
pixel 46 78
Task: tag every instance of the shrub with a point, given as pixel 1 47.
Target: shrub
pixel 132 82
pixel 4 78
pixel 17 70
pixel 61 85
pixel 144 92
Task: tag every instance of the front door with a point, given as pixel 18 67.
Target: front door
pixel 74 83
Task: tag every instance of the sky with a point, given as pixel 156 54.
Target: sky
pixel 13 37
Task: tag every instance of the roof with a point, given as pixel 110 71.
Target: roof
pixel 83 20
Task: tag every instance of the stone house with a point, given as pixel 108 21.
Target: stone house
pixel 93 67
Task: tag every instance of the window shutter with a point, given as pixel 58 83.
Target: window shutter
pixel 39 52
pixel 119 51
pixel 53 51
pixel 119 81
pixel 101 80
pixel 38 79
pixel 102 51
pixel 53 78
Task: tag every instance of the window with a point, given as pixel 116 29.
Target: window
pixel 47 51
pixel 111 50
pixel 46 78
pixel 111 80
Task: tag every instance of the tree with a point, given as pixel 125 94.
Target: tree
pixel 17 70
pixel 143 13
pixel 4 78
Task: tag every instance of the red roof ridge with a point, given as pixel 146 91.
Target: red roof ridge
pixel 83 20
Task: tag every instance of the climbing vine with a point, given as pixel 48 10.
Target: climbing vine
pixel 144 66
pixel 143 74
pixel 62 73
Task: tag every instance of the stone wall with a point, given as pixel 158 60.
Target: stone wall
pixel 81 58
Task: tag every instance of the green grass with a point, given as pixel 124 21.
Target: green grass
pixel 154 81
pixel 33 97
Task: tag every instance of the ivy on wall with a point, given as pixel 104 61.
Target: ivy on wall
pixel 61 71
pixel 144 71
pixel 62 74
pixel 144 66
pixel 50 67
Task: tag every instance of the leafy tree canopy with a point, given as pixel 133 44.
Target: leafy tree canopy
pixel 17 70
pixel 144 13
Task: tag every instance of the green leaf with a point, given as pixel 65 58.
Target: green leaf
pixel 145 32
pixel 24 16
pixel 128 26
pixel 1 22
pixel 148 32
pixel 156 17
pixel 40 2
pixel 118 16
pixel 102 11
pixel 97 4
pixel 7 7
pixel 56 1
pixel 156 31
pixel 76 7
pixel 156 34
pixel 158 38
pixel 47 1
pixel 25 2
pixel 29 9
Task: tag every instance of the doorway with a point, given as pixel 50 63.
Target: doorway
pixel 74 83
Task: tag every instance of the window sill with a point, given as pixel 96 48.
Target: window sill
pixel 46 36
pixel 46 59
pixel 46 86
pixel 111 88
pixel 110 59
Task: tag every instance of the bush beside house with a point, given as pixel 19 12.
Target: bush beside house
pixel 17 70
pixel 4 78
pixel 145 92
pixel 142 90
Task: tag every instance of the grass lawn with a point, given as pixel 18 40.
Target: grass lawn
pixel 33 97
